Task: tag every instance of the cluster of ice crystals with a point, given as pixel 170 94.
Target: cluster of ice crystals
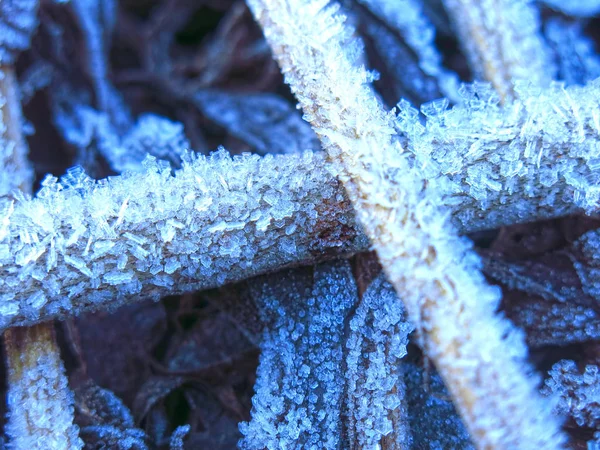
pixel 535 156
pixel 376 343
pixel 18 20
pixel 577 393
pixel 151 135
pixel 319 365
pixel 408 18
pixel 85 244
pixel 39 401
pixel 300 378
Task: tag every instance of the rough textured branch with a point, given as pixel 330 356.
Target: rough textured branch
pixel 480 356
pixel 84 245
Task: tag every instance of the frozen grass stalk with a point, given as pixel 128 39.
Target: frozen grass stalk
pixel 480 356
pixel 40 403
pixel 502 41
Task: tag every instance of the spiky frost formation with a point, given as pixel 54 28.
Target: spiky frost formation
pixel 479 355
pixel 39 401
pixel 327 379
pixel 502 41
pixel 536 156
pixel 153 135
pixel 83 244
pixel 18 20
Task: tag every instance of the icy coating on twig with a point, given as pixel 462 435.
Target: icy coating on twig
pixel 83 244
pixel 39 400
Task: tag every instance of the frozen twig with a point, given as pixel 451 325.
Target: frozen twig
pixel 39 400
pixel 479 355
pixel 83 244
pixel 40 404
pixel 16 172
pixel 502 41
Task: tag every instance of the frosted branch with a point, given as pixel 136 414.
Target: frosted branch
pixel 39 401
pixel 535 157
pixel 502 42
pixel 435 273
pixel 16 171
pixel 83 244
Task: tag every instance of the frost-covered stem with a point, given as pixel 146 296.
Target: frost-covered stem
pixel 16 171
pixel 502 41
pixel 480 356
pixel 40 402
pixel 84 245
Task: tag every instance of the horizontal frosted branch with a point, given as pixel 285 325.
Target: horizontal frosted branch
pixel 84 245
pixel 536 157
